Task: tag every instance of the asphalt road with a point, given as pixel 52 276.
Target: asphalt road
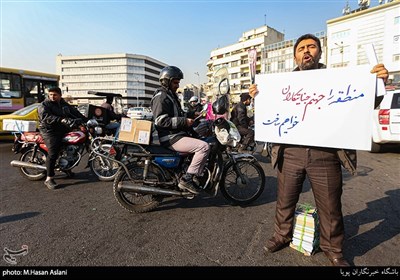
pixel 81 224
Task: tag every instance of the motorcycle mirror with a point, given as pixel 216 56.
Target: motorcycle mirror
pixel 223 86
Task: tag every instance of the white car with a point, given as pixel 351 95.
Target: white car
pixel 386 123
pixel 144 113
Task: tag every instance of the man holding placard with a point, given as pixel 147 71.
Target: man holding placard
pixel 322 165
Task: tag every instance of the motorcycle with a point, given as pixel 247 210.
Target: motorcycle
pixel 33 150
pixel 150 173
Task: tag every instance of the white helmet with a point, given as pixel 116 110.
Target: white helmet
pixel 194 99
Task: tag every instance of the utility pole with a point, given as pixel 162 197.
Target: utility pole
pixel 137 93
pixel 198 80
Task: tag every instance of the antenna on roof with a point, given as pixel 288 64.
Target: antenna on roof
pixel 346 9
pixel 265 19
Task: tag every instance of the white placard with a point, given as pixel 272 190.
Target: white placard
pixel 324 108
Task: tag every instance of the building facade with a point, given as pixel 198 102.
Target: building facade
pixel 342 45
pixel 133 76
pixel 235 59
pixel 379 25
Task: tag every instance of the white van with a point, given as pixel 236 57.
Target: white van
pixel 386 121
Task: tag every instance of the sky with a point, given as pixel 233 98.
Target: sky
pixel 181 32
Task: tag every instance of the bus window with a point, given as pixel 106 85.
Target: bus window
pixel 10 86
pixel 31 91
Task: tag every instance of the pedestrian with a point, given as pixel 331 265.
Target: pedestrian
pixel 321 165
pixel 243 122
pixel 173 127
pixel 56 118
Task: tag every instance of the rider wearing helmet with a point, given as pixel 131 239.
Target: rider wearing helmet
pixel 194 107
pixel 173 126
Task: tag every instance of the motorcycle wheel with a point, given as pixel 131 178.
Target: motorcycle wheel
pixel 31 173
pixel 132 201
pixel 105 169
pixel 238 191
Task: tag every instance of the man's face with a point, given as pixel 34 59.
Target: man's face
pixel 54 96
pixel 174 85
pixel 307 54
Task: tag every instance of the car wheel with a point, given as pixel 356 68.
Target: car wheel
pixel 375 147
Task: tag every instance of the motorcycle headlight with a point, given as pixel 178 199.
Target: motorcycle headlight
pixel 98 130
pixel 92 123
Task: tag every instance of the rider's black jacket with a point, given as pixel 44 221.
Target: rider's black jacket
pixel 193 109
pixel 239 116
pixel 169 118
pixel 51 113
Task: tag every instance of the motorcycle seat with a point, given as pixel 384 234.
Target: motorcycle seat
pixel 160 150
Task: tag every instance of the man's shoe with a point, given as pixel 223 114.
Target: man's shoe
pixel 50 184
pixel 187 185
pixel 337 261
pixel 274 245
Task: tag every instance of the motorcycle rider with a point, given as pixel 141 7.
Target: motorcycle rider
pixel 242 121
pixel 173 126
pixel 56 118
pixel 112 116
pixel 194 107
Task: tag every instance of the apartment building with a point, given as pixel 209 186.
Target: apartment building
pixel 379 25
pixel 133 76
pixel 235 58
pixel 342 45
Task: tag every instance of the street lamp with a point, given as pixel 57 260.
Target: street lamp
pixel 137 93
pixel 341 50
pixel 198 80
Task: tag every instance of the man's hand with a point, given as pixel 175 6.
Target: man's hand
pixel 381 72
pixel 189 122
pixel 68 122
pixel 253 91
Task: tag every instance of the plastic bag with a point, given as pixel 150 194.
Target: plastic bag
pixel 230 136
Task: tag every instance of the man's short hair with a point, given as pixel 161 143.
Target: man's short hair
pixel 244 96
pixel 110 99
pixel 55 89
pixel 305 37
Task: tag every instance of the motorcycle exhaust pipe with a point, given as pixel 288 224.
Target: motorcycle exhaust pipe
pixel 18 163
pixel 147 189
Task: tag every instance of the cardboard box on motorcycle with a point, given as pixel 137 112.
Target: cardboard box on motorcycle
pixel 136 131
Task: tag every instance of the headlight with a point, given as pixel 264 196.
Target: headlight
pixel 92 123
pixel 98 130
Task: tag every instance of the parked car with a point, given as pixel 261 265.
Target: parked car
pixel 28 113
pixel 386 121
pixel 144 113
